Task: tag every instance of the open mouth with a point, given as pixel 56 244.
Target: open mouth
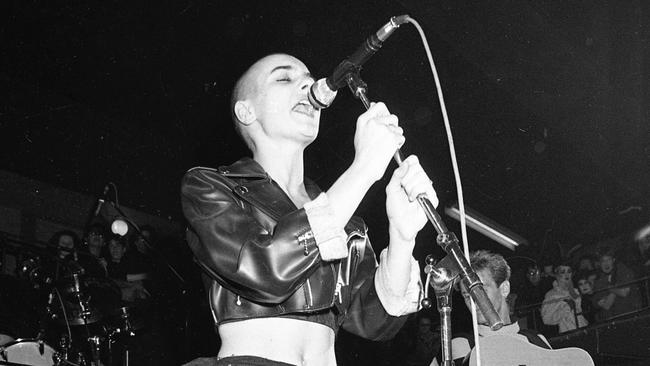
pixel 304 107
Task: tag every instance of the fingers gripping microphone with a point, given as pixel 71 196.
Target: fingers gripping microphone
pixel 323 91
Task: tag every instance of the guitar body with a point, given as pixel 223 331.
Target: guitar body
pixel 505 350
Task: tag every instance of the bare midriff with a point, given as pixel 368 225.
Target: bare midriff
pixel 293 341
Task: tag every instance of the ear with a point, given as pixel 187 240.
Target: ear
pixel 504 288
pixel 244 112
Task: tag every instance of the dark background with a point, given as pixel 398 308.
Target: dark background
pixel 548 101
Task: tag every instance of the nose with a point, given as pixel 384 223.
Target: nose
pixel 306 83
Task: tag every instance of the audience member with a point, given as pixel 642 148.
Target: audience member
pixel 586 263
pixel 117 270
pixel 640 252
pixel 547 276
pixel 64 260
pixel 425 341
pixel 138 257
pixel 140 266
pixel 494 272
pixel 562 304
pixel 529 298
pixel 585 284
pixel 613 293
pixel 92 258
pixel 116 267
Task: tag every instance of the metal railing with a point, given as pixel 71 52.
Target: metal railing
pixel 532 311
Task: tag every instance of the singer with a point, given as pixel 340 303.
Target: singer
pixel 287 264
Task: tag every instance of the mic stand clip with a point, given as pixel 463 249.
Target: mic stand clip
pixel 441 277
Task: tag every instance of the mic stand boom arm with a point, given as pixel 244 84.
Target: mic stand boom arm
pixel 157 253
pixel 446 239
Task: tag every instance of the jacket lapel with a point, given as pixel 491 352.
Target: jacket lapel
pixel 256 187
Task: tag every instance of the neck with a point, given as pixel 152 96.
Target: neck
pixel 285 165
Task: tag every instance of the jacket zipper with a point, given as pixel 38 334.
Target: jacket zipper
pixel 309 294
pixel 337 280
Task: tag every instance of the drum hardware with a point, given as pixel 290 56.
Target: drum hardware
pixel 78 304
pixel 80 316
pixel 27 352
pixel 63 354
pixel 12 363
pixel 125 331
pixel 95 342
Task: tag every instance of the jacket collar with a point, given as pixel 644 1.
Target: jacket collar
pixel 261 191
pixel 249 169
pixel 244 168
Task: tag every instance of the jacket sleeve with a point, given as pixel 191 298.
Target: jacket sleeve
pixel 554 309
pixel 232 246
pixel 366 316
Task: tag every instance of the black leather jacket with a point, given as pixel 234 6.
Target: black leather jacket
pixel 259 253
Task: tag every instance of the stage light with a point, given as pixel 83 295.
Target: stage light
pixel 487 227
pixel 119 227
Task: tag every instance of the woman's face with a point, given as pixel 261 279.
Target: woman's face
pixel 584 286
pixel 116 250
pixel 563 275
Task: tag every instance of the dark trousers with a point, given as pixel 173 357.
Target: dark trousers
pixel 236 361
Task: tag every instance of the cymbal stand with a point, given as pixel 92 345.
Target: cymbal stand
pixel 124 330
pixel 85 313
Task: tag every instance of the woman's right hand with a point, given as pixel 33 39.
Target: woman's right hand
pixel 376 139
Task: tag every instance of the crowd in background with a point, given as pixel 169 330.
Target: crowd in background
pixel 127 262
pixel 594 285
pixel 552 295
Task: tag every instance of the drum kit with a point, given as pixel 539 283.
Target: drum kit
pixel 81 319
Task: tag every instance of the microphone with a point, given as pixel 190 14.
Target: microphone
pixel 322 92
pixel 101 200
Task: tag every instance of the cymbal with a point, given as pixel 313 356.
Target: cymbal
pixel 79 283
pixel 78 317
pixel 78 311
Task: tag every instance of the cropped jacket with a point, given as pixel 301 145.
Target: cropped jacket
pixel 261 259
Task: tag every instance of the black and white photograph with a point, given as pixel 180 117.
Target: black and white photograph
pixel 323 183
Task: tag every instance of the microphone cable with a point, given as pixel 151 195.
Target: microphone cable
pixel 454 163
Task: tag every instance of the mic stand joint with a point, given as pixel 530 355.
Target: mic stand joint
pixel 441 277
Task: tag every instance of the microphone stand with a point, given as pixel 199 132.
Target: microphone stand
pixel 445 239
pixel 443 274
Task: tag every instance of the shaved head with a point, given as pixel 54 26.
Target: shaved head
pixel 248 87
pixel 245 87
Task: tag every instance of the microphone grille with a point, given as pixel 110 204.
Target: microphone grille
pixel 320 95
